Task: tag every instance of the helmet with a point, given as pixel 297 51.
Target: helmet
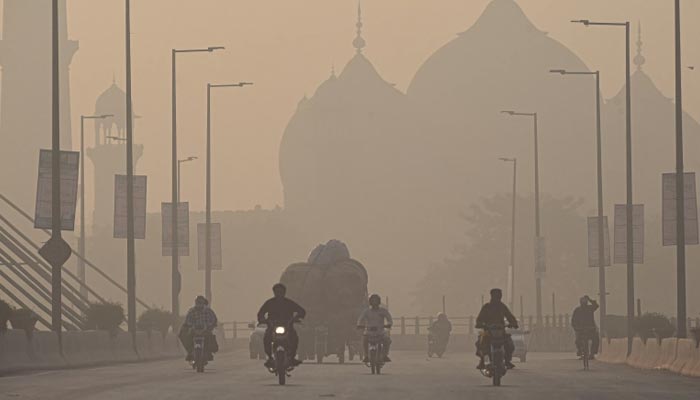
pixel 375 300
pixel 201 301
pixel 441 316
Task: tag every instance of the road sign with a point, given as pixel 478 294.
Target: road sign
pixel 120 198
pixel 183 232
pixel 621 233
pixel 56 251
pixel 669 209
pixel 69 190
pixel 214 242
pixel 540 257
pixel 593 251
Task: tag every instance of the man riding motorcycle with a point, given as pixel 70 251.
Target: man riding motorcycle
pixel 441 329
pixel 282 310
pixel 583 322
pixel 494 313
pixel 201 316
pixel 375 317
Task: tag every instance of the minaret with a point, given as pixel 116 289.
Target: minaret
pixel 25 114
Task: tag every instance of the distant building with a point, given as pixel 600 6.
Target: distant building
pixel 25 113
pixel 108 155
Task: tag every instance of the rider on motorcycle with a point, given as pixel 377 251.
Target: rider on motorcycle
pixel 583 321
pixel 201 316
pixel 441 328
pixel 281 310
pixel 375 317
pixel 495 313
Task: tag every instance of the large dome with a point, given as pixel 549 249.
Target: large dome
pixel 502 62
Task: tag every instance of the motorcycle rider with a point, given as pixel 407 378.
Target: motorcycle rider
pixel 494 313
pixel 375 317
pixel 198 317
pixel 441 329
pixel 583 320
pixel 281 310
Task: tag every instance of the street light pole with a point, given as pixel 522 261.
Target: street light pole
pixel 628 154
pixel 81 243
pixel 56 265
pixel 176 281
pixel 179 174
pixel 130 236
pixel 512 234
pixel 599 163
pixel 207 238
pixel 682 329
pixel 538 237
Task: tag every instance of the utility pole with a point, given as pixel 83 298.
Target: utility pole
pixel 681 329
pixel 130 243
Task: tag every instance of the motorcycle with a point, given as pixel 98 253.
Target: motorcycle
pixel 199 354
pixel 495 367
pixel 376 350
pixel 280 353
pixel 436 346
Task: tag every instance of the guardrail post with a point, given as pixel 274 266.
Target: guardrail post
pixel 546 321
pixel 235 330
pixel 403 326
pixel 529 322
pixel 471 325
pixel 567 320
pixel 417 327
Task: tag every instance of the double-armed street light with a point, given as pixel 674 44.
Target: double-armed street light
pixel 512 237
pixel 81 243
pixel 539 241
pixel 628 151
pixel 207 239
pixel 175 205
pixel 599 155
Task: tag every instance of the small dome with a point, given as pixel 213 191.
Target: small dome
pixel 112 101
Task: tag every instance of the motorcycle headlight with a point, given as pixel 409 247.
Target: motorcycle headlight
pixel 280 330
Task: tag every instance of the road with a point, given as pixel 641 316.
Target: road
pixel 410 376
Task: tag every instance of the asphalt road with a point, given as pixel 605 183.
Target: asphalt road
pixel 410 376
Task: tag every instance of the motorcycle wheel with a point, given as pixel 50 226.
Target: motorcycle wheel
pixel 498 367
pixel 341 357
pixel 199 360
pixel 374 364
pixel 281 367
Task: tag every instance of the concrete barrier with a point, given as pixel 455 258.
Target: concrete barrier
pixel 668 354
pixel 618 351
pixel 85 348
pixel 684 355
pixel 46 350
pixel 122 348
pixel 15 351
pixel 690 368
pixel 650 357
pixel 144 348
pixel 638 349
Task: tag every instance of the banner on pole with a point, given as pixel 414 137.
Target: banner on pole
pixel 70 161
pixel 120 198
pixel 593 251
pixel 669 215
pixel 214 242
pixel 183 231
pixel 540 257
pixel 621 234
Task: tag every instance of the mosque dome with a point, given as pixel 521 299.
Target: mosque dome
pixel 111 102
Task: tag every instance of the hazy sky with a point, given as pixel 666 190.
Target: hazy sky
pixel 287 48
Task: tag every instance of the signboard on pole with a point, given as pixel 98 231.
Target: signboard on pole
pixel 214 242
pixel 120 198
pixel 540 257
pixel 183 232
pixel 70 161
pixel 621 234
pixel 669 209
pixel 593 251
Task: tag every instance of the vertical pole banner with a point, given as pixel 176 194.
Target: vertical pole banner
pixel 183 231
pixel 214 242
pixel 669 215
pixel 621 234
pixel 140 186
pixel 593 242
pixel 70 161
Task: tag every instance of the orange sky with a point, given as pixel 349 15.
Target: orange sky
pixel 287 48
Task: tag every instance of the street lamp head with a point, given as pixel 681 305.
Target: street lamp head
pixel 585 22
pixel 509 112
pixel 106 116
pixel 506 159
pixel 214 48
pixel 245 83
pixel 116 138
pixel 558 71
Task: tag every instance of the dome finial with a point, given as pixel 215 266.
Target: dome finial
pixel 359 42
pixel 639 59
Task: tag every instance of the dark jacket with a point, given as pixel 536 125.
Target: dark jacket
pixel 583 316
pixel 280 310
pixel 495 313
pixel 441 328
